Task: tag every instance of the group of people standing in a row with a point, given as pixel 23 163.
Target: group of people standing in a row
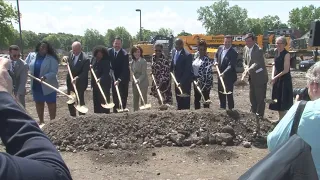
pixel 112 68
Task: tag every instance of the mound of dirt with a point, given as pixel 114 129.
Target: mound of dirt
pixel 153 129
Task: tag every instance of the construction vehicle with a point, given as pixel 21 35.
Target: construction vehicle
pixel 148 46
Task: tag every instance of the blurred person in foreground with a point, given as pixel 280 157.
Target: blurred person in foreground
pixel 30 154
pixel 101 67
pixel 139 70
pixel 19 74
pixel 43 64
pixel 308 128
pixel 160 69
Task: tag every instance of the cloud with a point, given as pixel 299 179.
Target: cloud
pixel 77 24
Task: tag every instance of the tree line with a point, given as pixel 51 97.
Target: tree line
pixel 218 18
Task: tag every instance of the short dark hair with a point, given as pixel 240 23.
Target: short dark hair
pixel 135 49
pixel 101 49
pixel 249 35
pixel 159 45
pixel 228 36
pixel 14 47
pixel 202 43
pixel 118 38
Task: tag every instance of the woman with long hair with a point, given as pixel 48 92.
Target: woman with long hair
pixel 44 64
pixel 139 70
pixel 101 67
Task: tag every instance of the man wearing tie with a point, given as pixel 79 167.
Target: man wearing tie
pixel 19 74
pixel 226 60
pixel 181 66
pixel 79 65
pixel 120 69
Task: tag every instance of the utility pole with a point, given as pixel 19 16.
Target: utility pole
pixel 19 21
pixel 139 10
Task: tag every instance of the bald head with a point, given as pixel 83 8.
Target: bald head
pixel 178 44
pixel 76 48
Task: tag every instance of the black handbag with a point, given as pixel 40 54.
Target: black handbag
pixel 290 161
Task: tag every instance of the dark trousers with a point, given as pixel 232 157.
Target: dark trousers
pixel 183 102
pixel 123 89
pixel 257 96
pixel 98 100
pixel 224 97
pixel 197 98
pixel 72 109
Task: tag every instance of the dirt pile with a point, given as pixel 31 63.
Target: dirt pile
pixel 153 129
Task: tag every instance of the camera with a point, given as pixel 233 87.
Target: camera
pixel 302 92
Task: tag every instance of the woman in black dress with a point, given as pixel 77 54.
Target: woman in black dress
pixel 101 67
pixel 281 79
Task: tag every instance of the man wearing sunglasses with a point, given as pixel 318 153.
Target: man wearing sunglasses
pixel 19 74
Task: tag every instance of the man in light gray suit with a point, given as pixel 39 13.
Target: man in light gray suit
pixel 19 74
pixel 254 64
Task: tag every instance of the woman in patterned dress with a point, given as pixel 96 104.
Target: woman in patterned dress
pixel 203 75
pixel 160 69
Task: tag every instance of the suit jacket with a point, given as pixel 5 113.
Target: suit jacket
pixel 139 70
pixel 49 69
pixel 227 66
pixel 80 69
pixel 120 65
pixel 30 153
pixel 101 69
pixel 258 71
pixel 20 76
pixel 183 69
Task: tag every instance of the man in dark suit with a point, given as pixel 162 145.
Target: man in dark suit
pixel 120 68
pixel 19 74
pixel 29 152
pixel 181 66
pixel 79 65
pixel 226 60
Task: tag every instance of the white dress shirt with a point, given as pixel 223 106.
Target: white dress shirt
pixel 224 52
pixel 176 56
pixel 196 65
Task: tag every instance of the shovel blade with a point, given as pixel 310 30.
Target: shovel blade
pixel 146 106
pixel 108 106
pixel 72 98
pixel 206 102
pixel 270 101
pixel 82 109
pixel 122 110
pixel 225 92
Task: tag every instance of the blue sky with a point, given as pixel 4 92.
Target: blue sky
pixel 76 16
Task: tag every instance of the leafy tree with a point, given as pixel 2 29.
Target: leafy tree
pixel 183 33
pixel 124 35
pixel 301 18
pixel 219 18
pixel 92 38
pixel 7 14
pixel 146 34
pixel 109 37
pixel 165 32
pixel 267 23
pixel 53 40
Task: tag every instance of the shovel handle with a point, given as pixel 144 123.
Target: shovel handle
pixel 175 81
pixel 98 83
pixel 49 85
pixel 117 90
pixel 74 86
pixel 198 88
pixel 137 85
pixel 158 90
pixel 221 79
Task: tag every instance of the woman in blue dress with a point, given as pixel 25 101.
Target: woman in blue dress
pixel 43 64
